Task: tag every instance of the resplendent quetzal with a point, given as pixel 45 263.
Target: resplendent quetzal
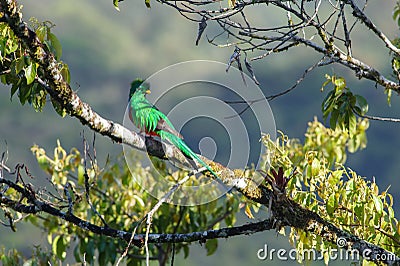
pixel 147 118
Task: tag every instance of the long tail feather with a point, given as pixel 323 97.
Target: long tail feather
pixel 181 145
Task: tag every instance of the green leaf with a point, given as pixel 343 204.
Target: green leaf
pixel 102 257
pixel 116 2
pixel 15 87
pixel 30 73
pixel 81 172
pixel 65 73
pixel 27 59
pixel 39 98
pixel 390 212
pixel 77 254
pixel 147 3
pixel 396 64
pixel 315 167
pixel 395 13
pixel 230 220
pixel 359 211
pixel 133 262
pixel 326 103
pixel 185 251
pixel 331 204
pixel 59 109
pixel 340 84
pixel 2 47
pixel 3 78
pixel 24 93
pixel 211 246
pixel 334 118
pixel 389 96
pixel 352 126
pixel 111 252
pixel 351 99
pixel 11 47
pixel 90 250
pixel 335 177
pixel 19 64
pixel 378 204
pixel 354 144
pixel 59 246
pixel 362 103
pixel 56 45
pixel 41 33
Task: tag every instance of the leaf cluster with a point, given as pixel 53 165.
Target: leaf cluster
pixel 339 195
pixel 342 105
pixel 116 201
pixel 19 71
pixel 321 183
pixel 39 257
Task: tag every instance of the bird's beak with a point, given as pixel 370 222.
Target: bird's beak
pixel 148 91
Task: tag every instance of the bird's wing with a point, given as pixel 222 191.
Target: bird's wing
pixel 165 125
pixel 149 119
pixel 142 115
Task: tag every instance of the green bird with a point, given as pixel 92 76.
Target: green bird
pixel 147 118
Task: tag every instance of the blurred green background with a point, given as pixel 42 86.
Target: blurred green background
pixel 106 49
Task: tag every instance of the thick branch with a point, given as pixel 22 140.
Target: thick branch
pixel 246 229
pixel 40 206
pixel 36 206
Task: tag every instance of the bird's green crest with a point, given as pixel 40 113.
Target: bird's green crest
pixel 139 84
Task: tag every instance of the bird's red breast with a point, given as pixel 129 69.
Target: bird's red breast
pixel 151 133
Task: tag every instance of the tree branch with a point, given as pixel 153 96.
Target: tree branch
pixel 361 69
pixel 138 239
pixel 300 20
pixel 36 205
pixel 357 12
pixel 286 213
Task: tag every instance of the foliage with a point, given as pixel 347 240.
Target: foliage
pixel 322 184
pixel 122 203
pixel 336 193
pixel 396 13
pixel 39 258
pixel 341 104
pixel 19 71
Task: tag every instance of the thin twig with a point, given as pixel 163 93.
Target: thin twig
pixel 357 12
pixel 164 199
pixel 271 97
pixel 86 176
pixel 377 118
pixel 127 247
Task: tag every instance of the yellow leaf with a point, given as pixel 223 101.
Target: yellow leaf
pixel 248 213
pixel 315 166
